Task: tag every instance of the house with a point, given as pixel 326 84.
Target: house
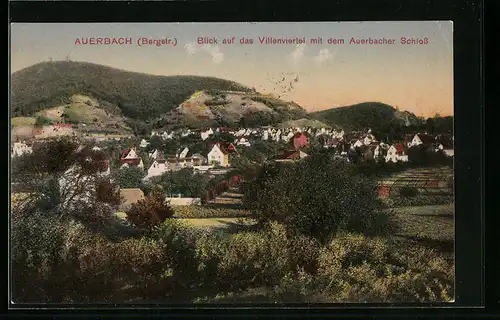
pixel 183 153
pixel 265 135
pixel 155 154
pixel 243 142
pixel 219 155
pixel 396 153
pixel 157 168
pixel 356 143
pixel 20 148
pixel 181 163
pixel 445 144
pixel 380 151
pixel 291 156
pixel 130 196
pixel 200 158
pixel 130 158
pixel 368 139
pixel 143 143
pixel 331 143
pixel 225 130
pixel 300 140
pixel 425 139
pixel 446 148
pixel 240 132
pixel 207 133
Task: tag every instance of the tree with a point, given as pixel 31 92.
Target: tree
pixel 150 212
pixel 184 181
pixel 430 125
pixel 129 177
pixel 317 197
pixel 156 143
pixel 61 178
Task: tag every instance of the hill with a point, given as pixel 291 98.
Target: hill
pixel 374 115
pixel 136 95
pixel 141 99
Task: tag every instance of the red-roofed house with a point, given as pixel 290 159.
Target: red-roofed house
pixel 290 156
pixel 130 158
pixel 397 152
pixel 300 140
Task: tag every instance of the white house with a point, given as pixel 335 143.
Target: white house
pixel 20 148
pixel 154 154
pixel 396 153
pixel 167 136
pixel 447 150
pixel 131 154
pixel 357 144
pixel 206 134
pixel 157 168
pixel 186 133
pixel 144 143
pixel 240 132
pixel 243 142
pixel 184 153
pixel 218 155
pixel 265 135
pixel 419 139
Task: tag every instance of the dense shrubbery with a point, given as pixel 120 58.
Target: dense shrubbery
pixel 291 193
pixel 61 261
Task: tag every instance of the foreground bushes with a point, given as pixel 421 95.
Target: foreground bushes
pixel 60 261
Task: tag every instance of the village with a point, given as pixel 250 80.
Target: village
pixel 223 144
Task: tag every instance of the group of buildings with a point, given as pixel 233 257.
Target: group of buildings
pixel 364 144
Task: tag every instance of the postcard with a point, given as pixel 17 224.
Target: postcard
pixel 195 163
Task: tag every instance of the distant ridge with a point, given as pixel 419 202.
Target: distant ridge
pixel 374 115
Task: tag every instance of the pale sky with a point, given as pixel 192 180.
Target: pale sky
pixel 417 78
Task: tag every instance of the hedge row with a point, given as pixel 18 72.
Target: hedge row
pixel 208 212
pixel 420 200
